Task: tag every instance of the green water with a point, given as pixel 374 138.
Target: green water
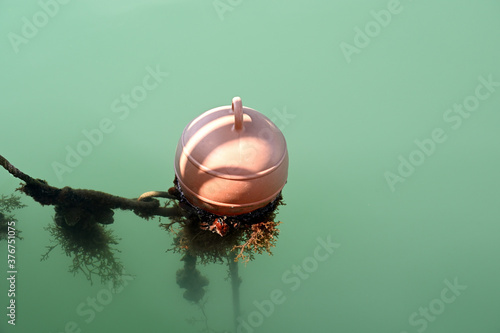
pixel 391 112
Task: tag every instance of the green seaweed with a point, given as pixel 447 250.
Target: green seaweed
pixel 91 247
pixel 7 205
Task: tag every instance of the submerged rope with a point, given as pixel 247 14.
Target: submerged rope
pixel 235 286
pixel 45 194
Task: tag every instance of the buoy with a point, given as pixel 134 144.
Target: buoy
pixel 231 160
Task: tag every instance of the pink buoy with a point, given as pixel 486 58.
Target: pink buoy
pixel 231 160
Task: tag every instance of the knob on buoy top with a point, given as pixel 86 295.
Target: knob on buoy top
pixel 231 160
